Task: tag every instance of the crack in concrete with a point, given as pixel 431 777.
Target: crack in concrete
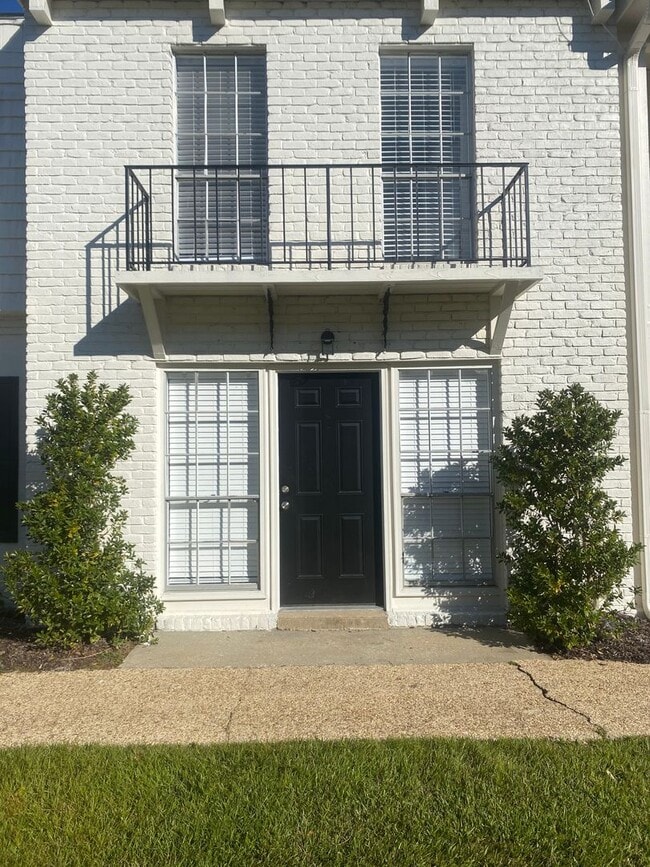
pixel 600 730
pixel 236 707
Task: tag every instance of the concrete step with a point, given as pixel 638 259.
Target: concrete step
pixel 313 619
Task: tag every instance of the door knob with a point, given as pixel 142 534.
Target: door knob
pixel 284 505
pixel 285 489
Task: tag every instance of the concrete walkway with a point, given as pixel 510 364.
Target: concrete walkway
pixel 255 649
pixel 534 697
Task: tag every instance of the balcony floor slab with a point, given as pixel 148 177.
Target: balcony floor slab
pixel 492 280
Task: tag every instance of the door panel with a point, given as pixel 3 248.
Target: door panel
pixel 308 436
pixel 350 455
pixel 329 478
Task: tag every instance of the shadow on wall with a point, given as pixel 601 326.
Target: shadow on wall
pixel 209 326
pixel 450 554
pixel 595 42
pixel 583 37
pixel 448 525
pixel 114 323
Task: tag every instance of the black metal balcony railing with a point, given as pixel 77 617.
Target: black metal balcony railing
pixel 327 215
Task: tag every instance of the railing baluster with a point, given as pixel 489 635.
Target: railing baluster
pixel 351 216
pixel 527 192
pixel 284 219
pixel 522 189
pixel 490 232
pixel 483 250
pixel 239 256
pixel 374 219
pixel 194 209
pixel 304 184
pixel 395 220
pixel 417 213
pixel 515 227
pixel 134 227
pixel 504 243
pixel 511 229
pixel 172 181
pixel 441 227
pixel 521 219
pixel 262 220
pixel 127 222
pixel 328 209
pixel 472 243
pixel 138 238
pixel 216 215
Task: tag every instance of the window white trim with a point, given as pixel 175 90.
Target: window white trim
pixel 438 587
pixel 193 496
pixel 221 215
pixel 427 121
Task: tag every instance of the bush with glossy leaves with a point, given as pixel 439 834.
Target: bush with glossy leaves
pixel 566 556
pixel 82 580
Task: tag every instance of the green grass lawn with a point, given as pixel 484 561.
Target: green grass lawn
pixel 409 802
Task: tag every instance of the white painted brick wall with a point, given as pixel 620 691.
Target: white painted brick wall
pixel 100 94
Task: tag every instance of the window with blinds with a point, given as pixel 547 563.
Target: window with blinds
pixel 445 445
pixel 426 137
pixel 213 480
pixel 221 205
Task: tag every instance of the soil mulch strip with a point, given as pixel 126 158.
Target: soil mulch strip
pixel 627 640
pixel 20 652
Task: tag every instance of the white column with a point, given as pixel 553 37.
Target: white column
pixel 636 186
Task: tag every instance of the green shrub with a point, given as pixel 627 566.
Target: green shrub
pixel 83 581
pixel 565 554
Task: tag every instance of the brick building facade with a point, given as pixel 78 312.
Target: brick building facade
pixel 444 198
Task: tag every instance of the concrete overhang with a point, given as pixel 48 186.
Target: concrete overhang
pixel 602 11
pixel 629 11
pixel 631 18
pixel 40 10
pixel 503 286
pixel 370 281
pixel 637 32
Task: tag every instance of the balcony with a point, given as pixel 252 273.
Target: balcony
pixel 374 229
pixel 337 216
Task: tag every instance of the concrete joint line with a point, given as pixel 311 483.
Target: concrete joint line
pixel 600 731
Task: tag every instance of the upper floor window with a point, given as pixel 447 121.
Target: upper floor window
pixel 222 151
pixel 426 147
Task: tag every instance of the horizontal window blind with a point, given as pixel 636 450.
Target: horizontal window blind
pixel 426 133
pixel 445 446
pixel 222 121
pixel 213 479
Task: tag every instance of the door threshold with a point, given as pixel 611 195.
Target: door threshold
pixel 355 606
pixel 357 617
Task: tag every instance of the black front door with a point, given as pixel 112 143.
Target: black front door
pixel 329 489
